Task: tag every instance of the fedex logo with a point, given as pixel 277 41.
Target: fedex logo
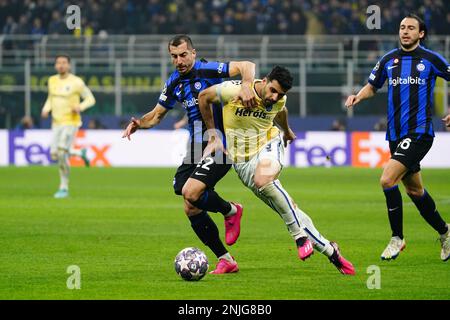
pixel 369 149
pixel 23 151
pixel 33 148
pixel 317 149
pixel 358 149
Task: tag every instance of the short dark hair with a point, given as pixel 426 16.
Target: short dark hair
pixel 63 56
pixel 179 39
pixel 282 75
pixel 422 25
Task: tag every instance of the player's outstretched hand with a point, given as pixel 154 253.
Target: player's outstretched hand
pixel 131 128
pixel 288 137
pixel 447 120
pixel 352 101
pixel 214 145
pixel 247 96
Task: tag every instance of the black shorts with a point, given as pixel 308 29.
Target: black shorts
pixel 410 150
pixel 206 171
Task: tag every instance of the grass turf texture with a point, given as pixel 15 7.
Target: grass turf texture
pixel 123 228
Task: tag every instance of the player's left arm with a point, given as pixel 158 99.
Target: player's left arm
pixel 281 119
pixel 441 67
pixel 86 96
pixel 247 71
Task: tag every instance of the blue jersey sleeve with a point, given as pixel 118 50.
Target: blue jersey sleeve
pixel 167 98
pixel 378 75
pixel 441 67
pixel 214 69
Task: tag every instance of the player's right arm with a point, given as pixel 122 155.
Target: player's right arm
pixel 446 120
pixel 165 103
pixel 149 120
pixel 368 91
pixel 376 80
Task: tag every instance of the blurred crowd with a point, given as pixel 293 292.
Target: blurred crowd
pixel 217 16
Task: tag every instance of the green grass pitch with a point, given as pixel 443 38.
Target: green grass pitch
pixel 123 228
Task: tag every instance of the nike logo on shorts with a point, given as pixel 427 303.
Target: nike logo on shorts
pixel 398 154
pixel 200 174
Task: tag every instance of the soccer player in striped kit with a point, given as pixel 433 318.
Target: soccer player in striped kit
pixel 411 71
pixel 65 90
pixel 197 188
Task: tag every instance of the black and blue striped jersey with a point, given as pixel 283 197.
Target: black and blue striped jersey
pixel 186 88
pixel 411 79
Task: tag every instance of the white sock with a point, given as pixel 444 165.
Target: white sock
pixel 232 211
pixel 227 256
pixel 298 222
pixel 63 163
pixel 279 200
pixel 320 243
pixel 75 152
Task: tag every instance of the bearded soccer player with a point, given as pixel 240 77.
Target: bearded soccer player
pixel 65 90
pixel 411 71
pixel 256 147
pixel 184 85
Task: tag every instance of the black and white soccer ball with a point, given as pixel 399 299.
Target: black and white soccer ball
pixel 191 264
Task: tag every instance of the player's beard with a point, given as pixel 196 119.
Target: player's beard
pixel 410 45
pixel 267 103
pixel 186 68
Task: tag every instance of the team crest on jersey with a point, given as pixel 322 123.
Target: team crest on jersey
pixel 420 67
pixel 377 66
pixel 198 85
pixel 395 60
pixel 269 108
pixel 220 68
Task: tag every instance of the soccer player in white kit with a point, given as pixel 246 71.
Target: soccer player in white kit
pixel 256 147
pixel 65 91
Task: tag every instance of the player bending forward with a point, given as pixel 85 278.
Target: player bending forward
pixel 257 150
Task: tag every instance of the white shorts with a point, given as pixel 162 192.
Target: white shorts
pixel 273 150
pixel 63 136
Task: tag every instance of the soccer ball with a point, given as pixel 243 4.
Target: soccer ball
pixel 191 264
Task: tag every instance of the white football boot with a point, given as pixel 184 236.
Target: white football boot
pixel 445 245
pixel 393 248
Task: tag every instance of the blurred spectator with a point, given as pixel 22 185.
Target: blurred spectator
pixel 9 26
pixel 224 16
pixel 25 123
pixel 381 125
pixel 23 27
pixel 181 123
pixel 57 24
pixel 339 125
pixel 94 124
pixel 37 29
pixel 297 23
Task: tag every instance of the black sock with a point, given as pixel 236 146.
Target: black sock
pixel 427 209
pixel 211 201
pixel 395 210
pixel 207 231
pixel 301 241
